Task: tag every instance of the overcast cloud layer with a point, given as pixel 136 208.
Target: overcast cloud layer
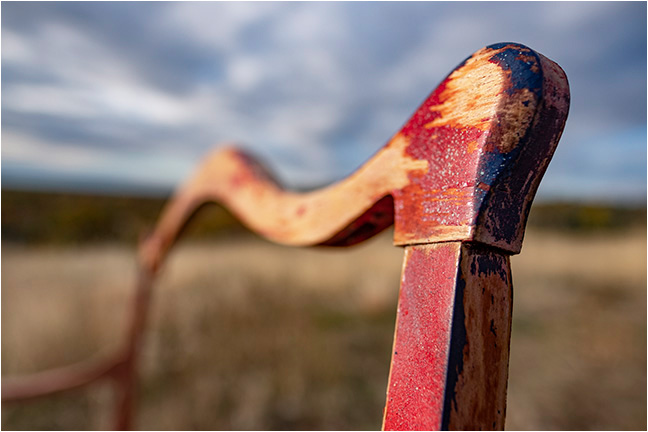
pixel 101 95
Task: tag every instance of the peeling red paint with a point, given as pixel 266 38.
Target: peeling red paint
pixel 477 156
pixel 450 356
pixel 423 205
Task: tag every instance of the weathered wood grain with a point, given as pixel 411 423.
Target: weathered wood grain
pixel 464 167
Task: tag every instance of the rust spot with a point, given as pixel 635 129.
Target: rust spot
pixel 531 60
pixel 514 116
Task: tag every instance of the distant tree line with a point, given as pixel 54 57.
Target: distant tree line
pixel 66 218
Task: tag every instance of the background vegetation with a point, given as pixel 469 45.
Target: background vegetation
pixel 249 335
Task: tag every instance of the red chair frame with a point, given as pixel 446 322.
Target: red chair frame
pixel 457 182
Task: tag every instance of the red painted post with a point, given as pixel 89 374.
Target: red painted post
pixel 450 358
pixel 459 222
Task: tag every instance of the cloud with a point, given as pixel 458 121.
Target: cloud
pixel 313 88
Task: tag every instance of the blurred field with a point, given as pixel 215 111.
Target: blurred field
pixel 249 335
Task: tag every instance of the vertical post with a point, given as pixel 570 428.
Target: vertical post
pixel 126 374
pixel 488 133
pixel 449 365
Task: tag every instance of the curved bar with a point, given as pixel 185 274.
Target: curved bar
pixel 453 170
pixel 120 366
pixel 234 179
pixel 40 384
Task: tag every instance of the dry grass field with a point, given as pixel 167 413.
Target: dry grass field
pixel 249 335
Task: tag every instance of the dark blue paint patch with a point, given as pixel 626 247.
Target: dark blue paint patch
pixel 494 169
pixel 526 73
pixel 505 208
pixel 492 165
pixel 524 65
pixel 501 45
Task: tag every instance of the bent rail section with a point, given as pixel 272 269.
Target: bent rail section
pixel 462 155
pixel 456 181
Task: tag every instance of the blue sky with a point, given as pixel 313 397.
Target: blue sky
pixel 108 96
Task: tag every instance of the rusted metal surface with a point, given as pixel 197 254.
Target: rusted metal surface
pixel 457 182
